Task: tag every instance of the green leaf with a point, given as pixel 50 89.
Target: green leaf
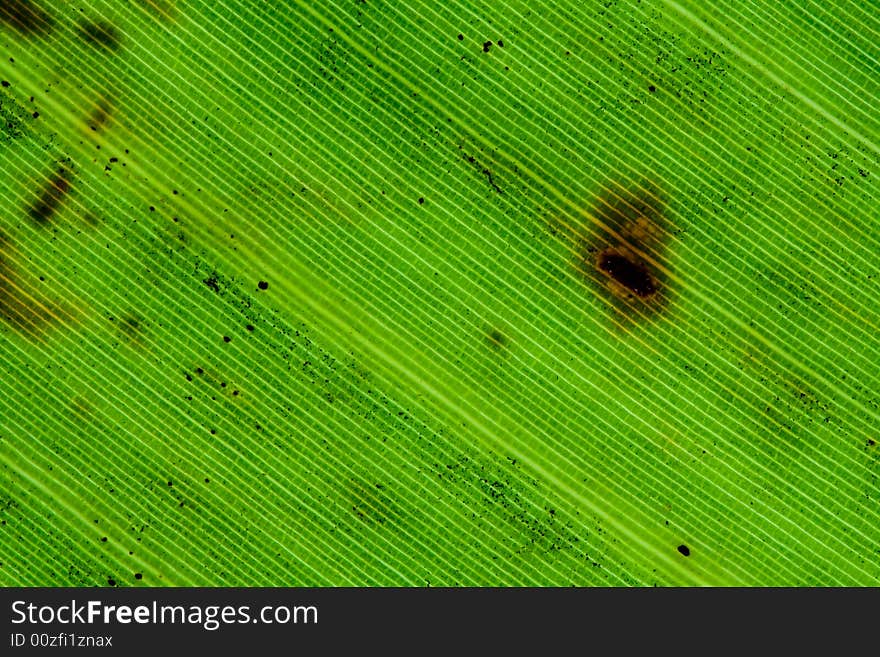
pixel 468 293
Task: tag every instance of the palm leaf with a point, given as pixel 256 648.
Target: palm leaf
pixel 376 293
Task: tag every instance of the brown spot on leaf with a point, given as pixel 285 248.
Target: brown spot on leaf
pixel 623 252
pixel 627 271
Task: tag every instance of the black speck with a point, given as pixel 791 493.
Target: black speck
pixel 652 88
pixel 5 83
pixel 684 550
pixel 152 209
pixel 263 285
pixel 170 483
pixel 461 37
pixel 500 43
pixel 421 200
pixel 103 539
pixel 111 581
pixel 250 327
pixel 138 576
pixel 36 115
pixel 226 338
pixel 486 46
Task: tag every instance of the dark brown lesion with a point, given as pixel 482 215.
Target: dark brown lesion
pixel 44 208
pixel 623 249
pixel 627 271
pixel 26 17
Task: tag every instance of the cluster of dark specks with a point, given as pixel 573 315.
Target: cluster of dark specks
pixel 212 282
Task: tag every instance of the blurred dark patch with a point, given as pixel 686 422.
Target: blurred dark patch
pixel 496 339
pixel 100 113
pixel 131 326
pixel 101 34
pixel 163 9
pixel 51 197
pixel 26 17
pixel 370 503
pixel 21 310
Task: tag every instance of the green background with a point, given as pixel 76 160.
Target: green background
pixel 433 389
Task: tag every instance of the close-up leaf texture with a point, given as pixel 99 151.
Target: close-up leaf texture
pixel 467 293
